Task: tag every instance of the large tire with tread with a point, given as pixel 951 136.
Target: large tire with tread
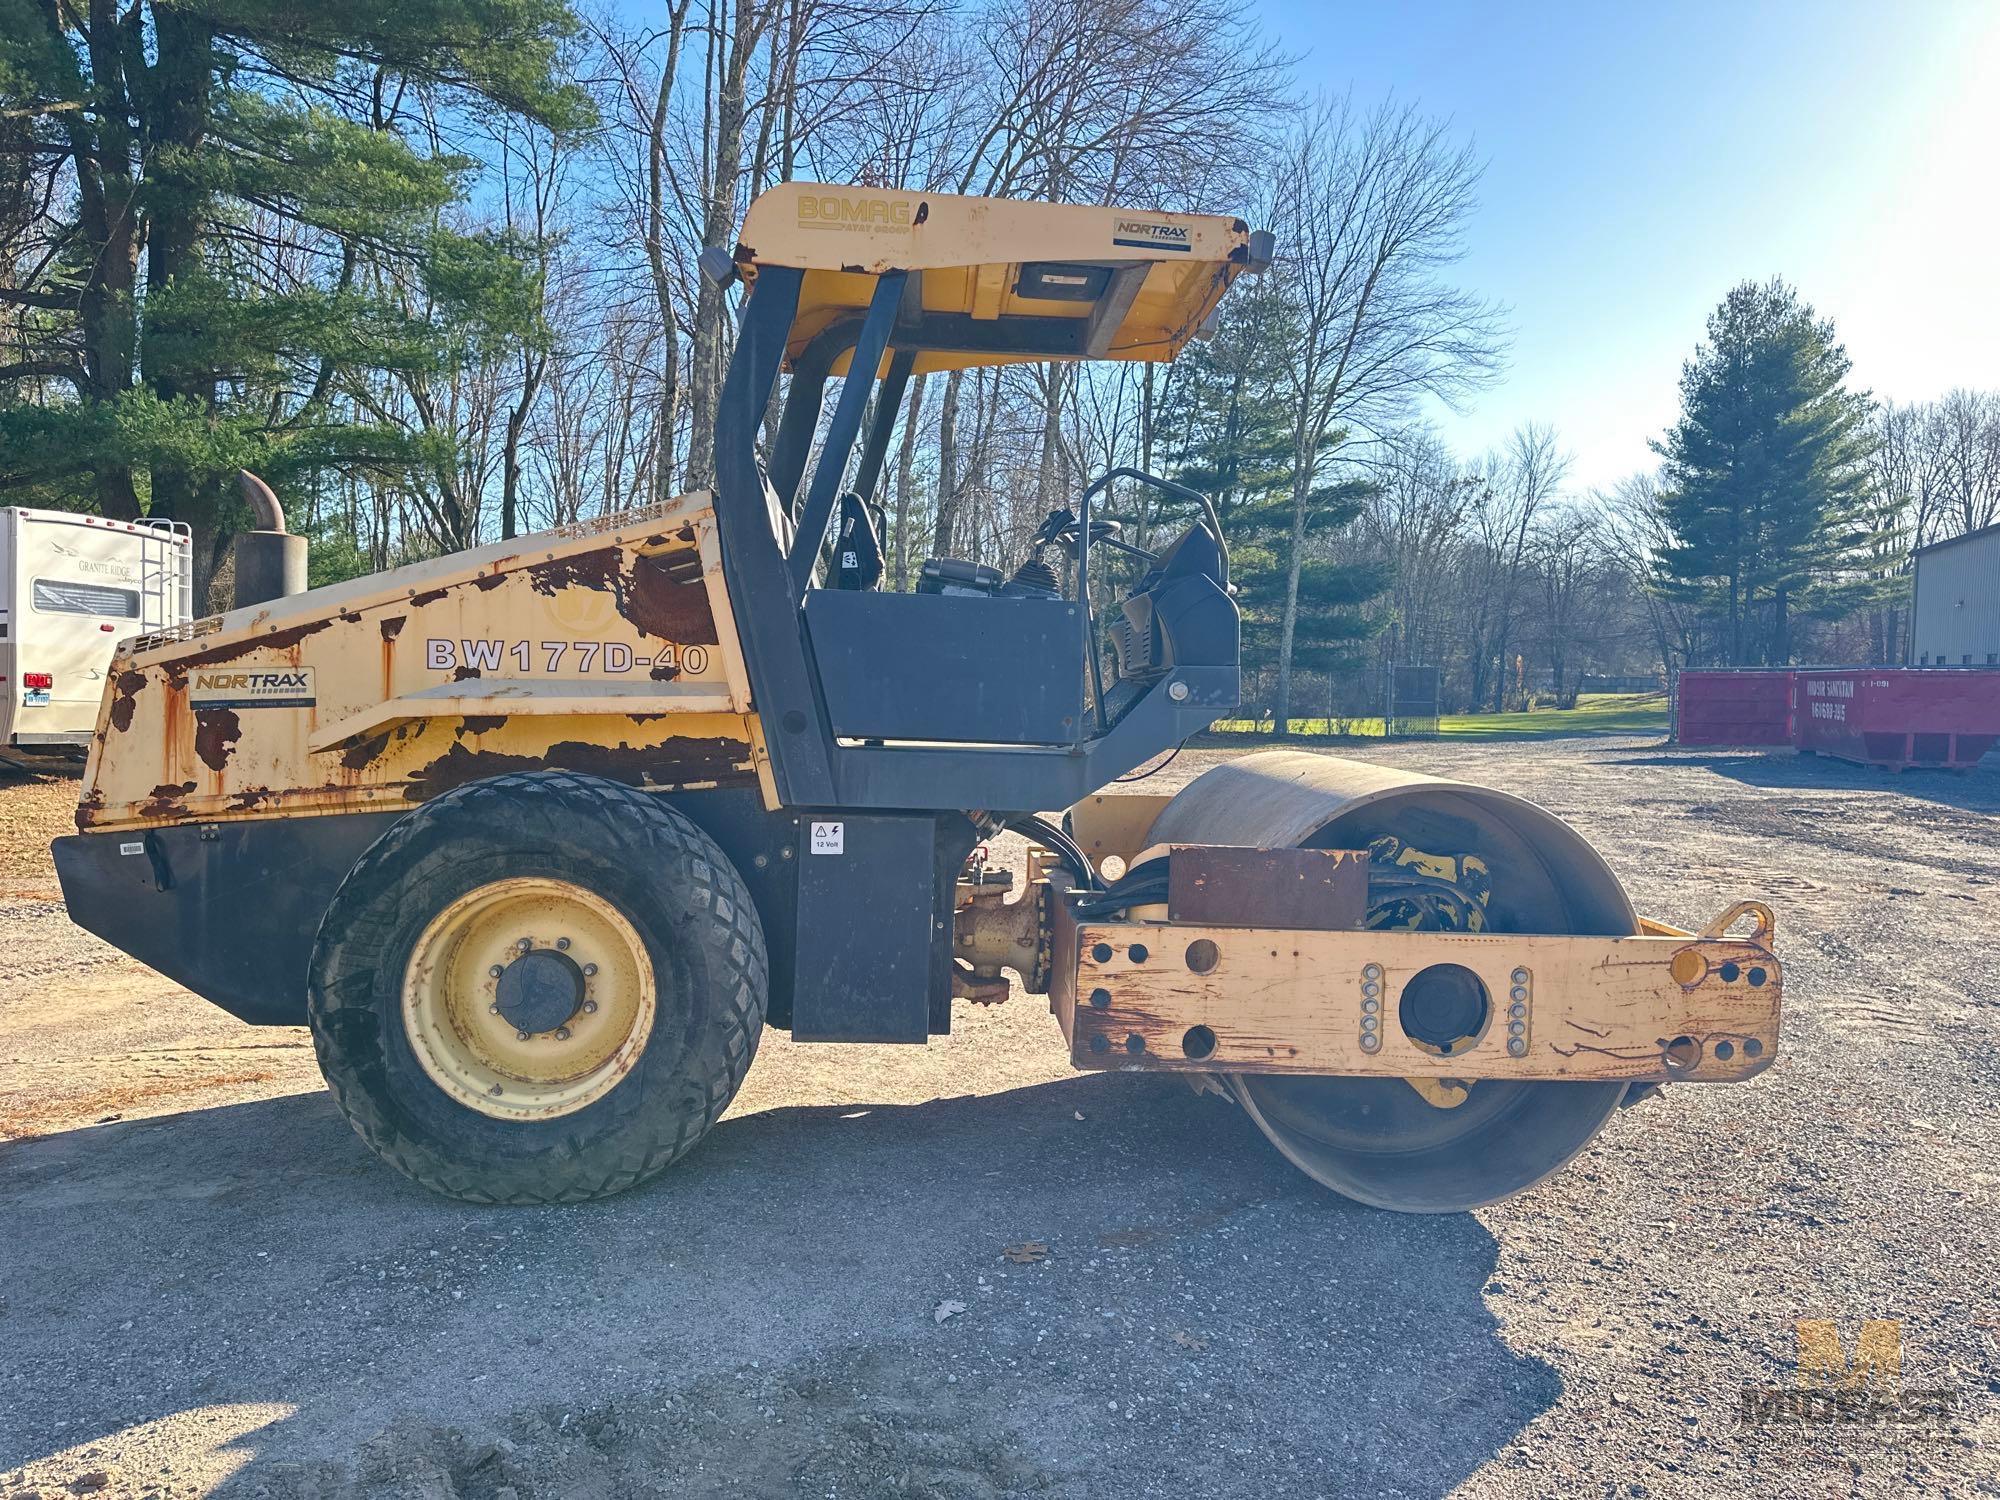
pixel 639 859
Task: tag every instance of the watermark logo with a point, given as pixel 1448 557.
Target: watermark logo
pixel 1839 1385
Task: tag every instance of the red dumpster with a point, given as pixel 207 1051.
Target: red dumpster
pixel 1733 708
pixel 1900 716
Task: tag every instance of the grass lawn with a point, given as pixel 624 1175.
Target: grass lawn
pixel 1595 713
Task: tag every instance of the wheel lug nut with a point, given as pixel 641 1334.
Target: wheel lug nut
pixel 496 971
pixel 525 944
pixel 492 1010
pixel 562 1033
pixel 520 1036
pixel 563 943
pixel 590 1007
pixel 589 969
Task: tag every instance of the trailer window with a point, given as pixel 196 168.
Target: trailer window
pixel 61 597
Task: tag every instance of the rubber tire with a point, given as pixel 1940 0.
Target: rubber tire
pixel 666 876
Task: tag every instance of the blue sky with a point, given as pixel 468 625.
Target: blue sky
pixel 1642 158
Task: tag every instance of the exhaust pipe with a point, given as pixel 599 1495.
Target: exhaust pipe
pixel 270 561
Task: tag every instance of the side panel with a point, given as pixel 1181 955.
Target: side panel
pixel 938 667
pixel 609 652
pixel 1733 708
pixel 1955 617
pixel 232 909
pixel 228 909
pixel 78 589
pixel 10 682
pixel 868 914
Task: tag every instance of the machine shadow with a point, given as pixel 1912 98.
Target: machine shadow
pixel 1975 790
pixel 255 1253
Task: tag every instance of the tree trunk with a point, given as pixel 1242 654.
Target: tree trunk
pixel 532 371
pixel 947 488
pixel 1049 476
pixel 175 122
pixel 106 212
pixel 719 212
pixel 906 462
pixel 1289 622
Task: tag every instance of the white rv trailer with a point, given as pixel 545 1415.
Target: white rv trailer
pixel 71 587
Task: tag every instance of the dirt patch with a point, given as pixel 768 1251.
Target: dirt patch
pixel 37 1112
pixel 36 808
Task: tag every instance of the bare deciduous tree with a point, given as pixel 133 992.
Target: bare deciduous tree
pixel 1369 210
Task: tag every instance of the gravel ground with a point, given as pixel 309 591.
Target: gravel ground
pixel 207 1286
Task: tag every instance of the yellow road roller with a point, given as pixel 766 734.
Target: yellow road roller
pixel 538 837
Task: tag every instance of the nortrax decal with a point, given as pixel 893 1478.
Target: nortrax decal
pixel 1145 234
pixel 557 656
pixel 252 687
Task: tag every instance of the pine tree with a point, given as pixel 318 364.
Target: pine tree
pixel 247 207
pixel 1231 428
pixel 1767 487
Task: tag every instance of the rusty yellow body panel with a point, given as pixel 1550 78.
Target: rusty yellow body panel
pixel 1689 1008
pixel 972 253
pixel 607 648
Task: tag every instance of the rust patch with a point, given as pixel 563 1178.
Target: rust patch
pixel 672 611
pixel 644 718
pixel 216 731
pixel 673 764
pixel 278 640
pixel 392 626
pixel 686 533
pixel 464 674
pixel 251 797
pixel 665 672
pixel 126 688
pixel 349 617
pixel 165 800
pixel 486 582
pixel 365 752
pixel 88 807
pixel 596 569
pixel 480 724
pixel 428 596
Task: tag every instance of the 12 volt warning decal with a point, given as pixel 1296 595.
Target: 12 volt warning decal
pixel 252 687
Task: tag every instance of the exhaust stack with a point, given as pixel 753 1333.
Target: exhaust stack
pixel 270 561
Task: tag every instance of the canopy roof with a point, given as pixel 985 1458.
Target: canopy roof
pixel 997 281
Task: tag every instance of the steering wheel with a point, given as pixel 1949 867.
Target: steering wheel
pixel 1061 527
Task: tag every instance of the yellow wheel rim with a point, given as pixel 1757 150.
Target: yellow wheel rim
pixel 528 998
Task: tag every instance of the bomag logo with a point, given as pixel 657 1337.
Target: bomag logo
pixel 835 211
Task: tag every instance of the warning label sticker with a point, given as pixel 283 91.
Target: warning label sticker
pixel 829 838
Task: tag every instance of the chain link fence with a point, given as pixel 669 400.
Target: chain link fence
pixel 1367 703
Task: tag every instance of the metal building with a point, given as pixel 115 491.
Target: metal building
pixel 1955 615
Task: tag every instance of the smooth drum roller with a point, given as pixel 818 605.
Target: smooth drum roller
pixel 1383 1140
